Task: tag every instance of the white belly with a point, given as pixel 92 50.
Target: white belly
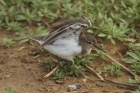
pixel 65 48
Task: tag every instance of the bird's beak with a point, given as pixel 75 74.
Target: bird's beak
pixel 98 48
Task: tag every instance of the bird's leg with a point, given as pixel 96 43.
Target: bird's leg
pixel 86 77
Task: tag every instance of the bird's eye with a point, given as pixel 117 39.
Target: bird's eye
pixel 89 42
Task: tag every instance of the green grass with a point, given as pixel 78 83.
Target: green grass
pixel 137 91
pixel 114 69
pixel 10 90
pixel 66 68
pixel 111 20
pixel 134 60
pixel 8 42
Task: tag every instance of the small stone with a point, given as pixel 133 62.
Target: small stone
pixel 106 90
pixel 48 90
pixel 84 80
pixel 74 87
pixel 7 76
pixel 59 81
pixel 34 52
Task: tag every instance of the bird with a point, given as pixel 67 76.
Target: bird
pixel 67 40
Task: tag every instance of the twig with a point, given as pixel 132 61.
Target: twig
pixel 91 69
pixel 21 48
pixel 36 56
pixel 128 70
pixel 76 4
pixel 81 91
pixel 46 23
pixel 86 77
pixel 59 6
pixel 123 85
pixel 49 74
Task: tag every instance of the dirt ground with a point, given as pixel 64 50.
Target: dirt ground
pixel 21 71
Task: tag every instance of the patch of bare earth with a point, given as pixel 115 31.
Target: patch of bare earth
pixel 21 71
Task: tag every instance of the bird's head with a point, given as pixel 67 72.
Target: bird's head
pixel 88 43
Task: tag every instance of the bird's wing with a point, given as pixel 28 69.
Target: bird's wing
pixel 64 31
pixel 69 27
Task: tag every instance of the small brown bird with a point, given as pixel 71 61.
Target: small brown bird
pixel 66 40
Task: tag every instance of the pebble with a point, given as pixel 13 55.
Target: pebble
pixel 7 76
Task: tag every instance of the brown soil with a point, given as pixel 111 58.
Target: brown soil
pixel 21 71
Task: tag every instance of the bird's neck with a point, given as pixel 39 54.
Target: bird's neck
pixel 85 51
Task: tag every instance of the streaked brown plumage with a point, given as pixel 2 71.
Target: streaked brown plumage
pixel 66 40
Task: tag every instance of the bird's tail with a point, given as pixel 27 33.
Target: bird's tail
pixel 39 39
pixel 28 36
